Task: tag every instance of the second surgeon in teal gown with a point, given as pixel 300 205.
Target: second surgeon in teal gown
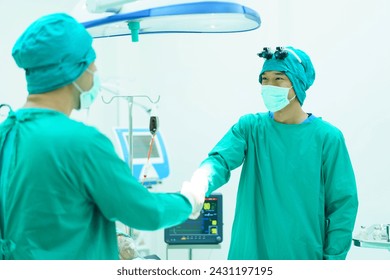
pixel 62 185
pixel 297 196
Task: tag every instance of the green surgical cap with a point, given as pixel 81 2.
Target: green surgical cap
pixel 54 51
pixel 299 70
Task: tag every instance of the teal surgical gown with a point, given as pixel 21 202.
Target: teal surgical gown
pixel 297 196
pixel 63 187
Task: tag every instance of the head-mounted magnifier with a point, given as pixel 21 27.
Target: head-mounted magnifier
pixel 280 53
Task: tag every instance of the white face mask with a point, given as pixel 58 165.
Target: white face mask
pixel 89 96
pixel 275 98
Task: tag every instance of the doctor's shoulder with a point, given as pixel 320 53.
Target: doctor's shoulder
pixel 253 119
pixel 248 122
pixel 328 131
pixel 87 136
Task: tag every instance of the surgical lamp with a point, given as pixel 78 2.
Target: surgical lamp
pixel 109 18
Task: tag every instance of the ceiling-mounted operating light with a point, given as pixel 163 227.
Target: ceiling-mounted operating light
pixel 145 17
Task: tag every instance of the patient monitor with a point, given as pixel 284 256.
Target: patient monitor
pixel 206 229
pixel 157 167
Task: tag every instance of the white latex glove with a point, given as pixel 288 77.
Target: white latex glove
pixel 195 191
pixel 200 179
pixel 195 197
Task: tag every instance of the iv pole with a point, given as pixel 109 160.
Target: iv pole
pixel 130 100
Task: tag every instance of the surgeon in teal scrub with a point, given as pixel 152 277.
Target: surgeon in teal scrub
pixel 297 196
pixel 62 185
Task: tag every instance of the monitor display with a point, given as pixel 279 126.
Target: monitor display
pixel 206 229
pixel 156 167
pixel 141 144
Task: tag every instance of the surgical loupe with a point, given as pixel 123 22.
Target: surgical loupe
pixel 280 53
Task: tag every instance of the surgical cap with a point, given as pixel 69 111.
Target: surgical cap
pixel 300 71
pixel 54 51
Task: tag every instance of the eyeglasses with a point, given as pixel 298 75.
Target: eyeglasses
pixel 280 53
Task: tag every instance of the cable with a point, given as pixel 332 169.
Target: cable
pixel 146 169
pixel 153 127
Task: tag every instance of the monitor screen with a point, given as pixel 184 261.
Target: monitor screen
pixel 141 144
pixel 206 229
pixel 141 139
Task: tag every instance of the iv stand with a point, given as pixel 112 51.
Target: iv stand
pixel 130 100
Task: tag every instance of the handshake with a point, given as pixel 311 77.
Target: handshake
pixel 195 191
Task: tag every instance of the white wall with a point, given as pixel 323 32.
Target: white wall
pixel 207 81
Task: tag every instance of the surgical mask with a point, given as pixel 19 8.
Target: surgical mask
pixel 275 98
pixel 88 97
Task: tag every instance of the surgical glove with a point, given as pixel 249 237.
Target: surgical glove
pixel 200 179
pixel 196 191
pixel 195 196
